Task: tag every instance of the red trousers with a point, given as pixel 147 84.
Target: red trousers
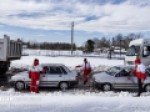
pixel 86 74
pixel 34 87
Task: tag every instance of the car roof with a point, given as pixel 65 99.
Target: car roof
pixel 52 64
pixel 123 66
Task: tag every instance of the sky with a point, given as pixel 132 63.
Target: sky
pixel 50 20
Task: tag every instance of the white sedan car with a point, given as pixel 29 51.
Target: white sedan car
pixel 57 75
pixel 119 77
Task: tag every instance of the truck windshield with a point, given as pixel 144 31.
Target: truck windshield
pixel 133 51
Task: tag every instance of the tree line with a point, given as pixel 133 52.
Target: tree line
pixel 95 43
pixel 108 42
pixel 49 45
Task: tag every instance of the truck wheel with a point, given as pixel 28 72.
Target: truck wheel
pixel 63 85
pixel 20 86
pixel 3 71
pixel 107 87
pixel 147 88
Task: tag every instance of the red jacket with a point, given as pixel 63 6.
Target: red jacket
pixel 34 72
pixel 86 68
pixel 140 72
pixel 141 76
pixel 34 75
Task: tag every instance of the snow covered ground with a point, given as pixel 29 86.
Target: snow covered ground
pixel 78 53
pixel 72 100
pixel 78 101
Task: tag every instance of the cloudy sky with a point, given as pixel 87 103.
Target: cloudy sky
pixel 50 20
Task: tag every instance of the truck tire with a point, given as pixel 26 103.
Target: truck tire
pixel 3 71
pixel 4 67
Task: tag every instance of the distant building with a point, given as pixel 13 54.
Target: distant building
pixel 24 47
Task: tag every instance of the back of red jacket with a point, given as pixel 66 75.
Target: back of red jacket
pixel 141 71
pixel 86 68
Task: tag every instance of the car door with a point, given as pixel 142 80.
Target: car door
pixel 65 74
pixel 124 80
pixel 53 76
pixel 43 79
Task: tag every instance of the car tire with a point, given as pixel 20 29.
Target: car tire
pixel 63 85
pixel 19 86
pixel 107 87
pixel 147 88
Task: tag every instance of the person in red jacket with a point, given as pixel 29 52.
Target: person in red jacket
pixel 140 70
pixel 34 75
pixel 86 69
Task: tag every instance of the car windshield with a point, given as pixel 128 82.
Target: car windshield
pixel 125 72
pixel 133 51
pixel 113 70
pixel 148 72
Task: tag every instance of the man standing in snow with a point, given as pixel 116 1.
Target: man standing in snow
pixel 86 69
pixel 140 74
pixel 34 74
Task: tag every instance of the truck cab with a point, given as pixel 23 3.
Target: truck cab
pixel 138 48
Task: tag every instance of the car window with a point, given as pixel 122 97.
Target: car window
pixel 63 70
pixel 45 69
pixel 125 72
pixel 55 70
pixel 113 70
pixel 148 72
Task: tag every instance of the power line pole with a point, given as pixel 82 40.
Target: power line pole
pixel 120 48
pixel 72 37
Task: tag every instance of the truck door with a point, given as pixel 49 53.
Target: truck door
pixel 146 55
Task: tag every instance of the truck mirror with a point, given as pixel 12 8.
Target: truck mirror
pixel 146 52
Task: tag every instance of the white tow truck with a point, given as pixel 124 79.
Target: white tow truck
pixel 138 48
pixel 9 50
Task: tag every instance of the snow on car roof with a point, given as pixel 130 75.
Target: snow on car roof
pixel 124 66
pixel 52 64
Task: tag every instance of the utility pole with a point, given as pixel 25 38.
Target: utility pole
pixel 120 48
pixel 110 49
pixel 72 37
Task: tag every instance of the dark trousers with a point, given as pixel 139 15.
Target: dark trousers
pixel 140 87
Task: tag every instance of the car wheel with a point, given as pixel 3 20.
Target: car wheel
pixel 63 85
pixel 107 87
pixel 147 88
pixel 20 86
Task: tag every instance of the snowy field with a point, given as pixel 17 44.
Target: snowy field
pixel 72 100
pixel 78 53
pixel 79 101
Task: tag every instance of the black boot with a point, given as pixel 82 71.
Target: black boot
pixel 85 82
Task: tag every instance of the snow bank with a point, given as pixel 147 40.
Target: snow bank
pixel 68 61
pixel 80 101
